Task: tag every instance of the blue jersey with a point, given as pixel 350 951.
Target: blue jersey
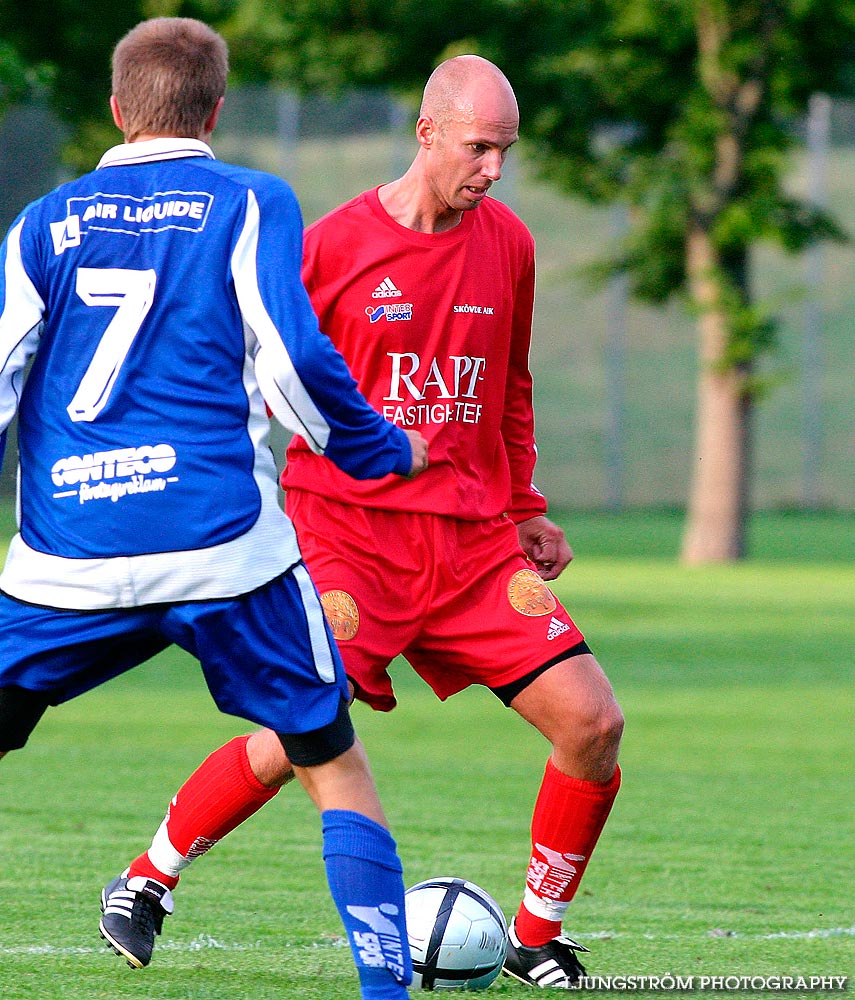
pixel 158 304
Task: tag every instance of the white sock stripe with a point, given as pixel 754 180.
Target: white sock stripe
pixel 163 855
pixel 546 909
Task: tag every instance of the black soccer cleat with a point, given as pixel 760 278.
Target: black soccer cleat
pixel 132 914
pixel 552 965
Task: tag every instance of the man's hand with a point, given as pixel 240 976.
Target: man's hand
pixel 419 447
pixel 544 543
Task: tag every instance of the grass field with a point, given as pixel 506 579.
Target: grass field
pixel 729 852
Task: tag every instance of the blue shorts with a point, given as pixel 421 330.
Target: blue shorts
pixel 268 656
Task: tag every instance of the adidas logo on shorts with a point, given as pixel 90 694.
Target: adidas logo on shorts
pixel 556 628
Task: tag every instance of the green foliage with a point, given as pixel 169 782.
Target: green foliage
pixel 630 102
pixel 71 40
pixel 682 111
pixel 17 78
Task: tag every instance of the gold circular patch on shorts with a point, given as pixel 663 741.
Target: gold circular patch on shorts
pixel 529 595
pixel 342 614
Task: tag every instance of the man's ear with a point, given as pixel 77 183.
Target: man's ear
pixel 117 113
pixel 211 121
pixel 425 131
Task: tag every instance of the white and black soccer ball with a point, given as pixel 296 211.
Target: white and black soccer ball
pixel 458 935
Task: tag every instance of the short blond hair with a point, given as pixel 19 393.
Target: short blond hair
pixel 168 74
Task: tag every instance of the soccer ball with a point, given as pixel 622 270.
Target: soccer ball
pixel 458 935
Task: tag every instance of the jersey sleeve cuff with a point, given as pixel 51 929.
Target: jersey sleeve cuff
pixel 518 516
pixel 404 464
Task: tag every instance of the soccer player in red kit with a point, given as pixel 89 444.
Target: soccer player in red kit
pixel 426 286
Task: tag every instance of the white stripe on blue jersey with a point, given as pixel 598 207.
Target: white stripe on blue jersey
pixel 20 324
pixel 284 392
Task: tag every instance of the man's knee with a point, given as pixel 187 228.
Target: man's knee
pixel 572 704
pixel 611 725
pixel 20 712
pixel 599 719
pixel 268 759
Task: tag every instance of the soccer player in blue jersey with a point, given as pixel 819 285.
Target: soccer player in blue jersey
pixel 158 304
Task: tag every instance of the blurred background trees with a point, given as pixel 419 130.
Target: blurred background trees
pixel 680 111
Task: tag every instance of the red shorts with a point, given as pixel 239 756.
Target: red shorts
pixel 458 599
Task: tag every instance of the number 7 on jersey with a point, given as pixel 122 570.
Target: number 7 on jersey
pixel 131 294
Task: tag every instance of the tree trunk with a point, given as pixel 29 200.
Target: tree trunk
pixel 718 497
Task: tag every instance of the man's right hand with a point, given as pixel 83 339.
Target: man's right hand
pixel 419 448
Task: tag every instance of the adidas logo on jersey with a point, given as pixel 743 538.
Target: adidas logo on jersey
pixel 386 290
pixel 556 628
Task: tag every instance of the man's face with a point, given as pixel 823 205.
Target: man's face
pixel 469 151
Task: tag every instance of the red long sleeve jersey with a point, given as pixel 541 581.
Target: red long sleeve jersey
pixel 436 329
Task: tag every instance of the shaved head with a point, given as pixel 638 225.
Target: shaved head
pixel 461 88
pixel 468 121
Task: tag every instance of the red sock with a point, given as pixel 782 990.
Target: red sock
pixel 217 797
pixel 569 816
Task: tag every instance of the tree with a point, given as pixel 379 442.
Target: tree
pixel 18 78
pixel 681 109
pixel 66 45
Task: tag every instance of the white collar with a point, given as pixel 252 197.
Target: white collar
pixel 149 150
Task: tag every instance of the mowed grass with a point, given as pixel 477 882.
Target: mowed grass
pixel 729 851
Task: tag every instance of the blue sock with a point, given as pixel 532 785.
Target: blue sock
pixel 364 875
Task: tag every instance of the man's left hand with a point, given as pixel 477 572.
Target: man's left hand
pixel 544 543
